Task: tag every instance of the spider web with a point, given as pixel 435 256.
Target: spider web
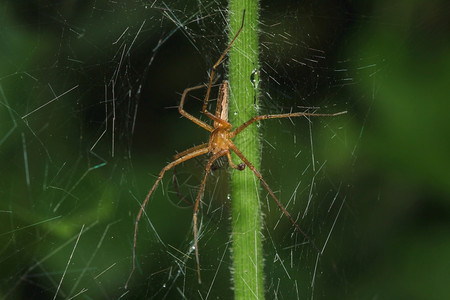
pixel 88 96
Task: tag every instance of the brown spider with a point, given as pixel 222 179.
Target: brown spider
pixel 220 144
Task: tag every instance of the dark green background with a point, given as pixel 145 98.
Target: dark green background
pixel 386 62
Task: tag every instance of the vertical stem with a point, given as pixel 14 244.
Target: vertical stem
pixel 245 187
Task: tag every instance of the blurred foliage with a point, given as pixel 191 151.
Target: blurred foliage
pixel 387 63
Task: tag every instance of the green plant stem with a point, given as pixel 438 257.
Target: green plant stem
pixel 245 187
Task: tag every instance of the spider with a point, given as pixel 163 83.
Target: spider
pixel 220 144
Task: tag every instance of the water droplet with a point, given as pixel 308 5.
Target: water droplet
pixel 254 78
pixel 228 197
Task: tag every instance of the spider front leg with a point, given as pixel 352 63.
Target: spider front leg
pixel 190 153
pixel 211 78
pixel 281 116
pixel 264 183
pixel 197 203
pixel 188 115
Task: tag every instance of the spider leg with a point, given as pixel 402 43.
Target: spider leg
pixel 174 174
pixel 280 116
pixel 190 150
pixel 264 183
pixel 187 156
pixel 197 203
pixel 189 116
pixel 213 71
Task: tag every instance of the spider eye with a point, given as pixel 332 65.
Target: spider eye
pixel 241 166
